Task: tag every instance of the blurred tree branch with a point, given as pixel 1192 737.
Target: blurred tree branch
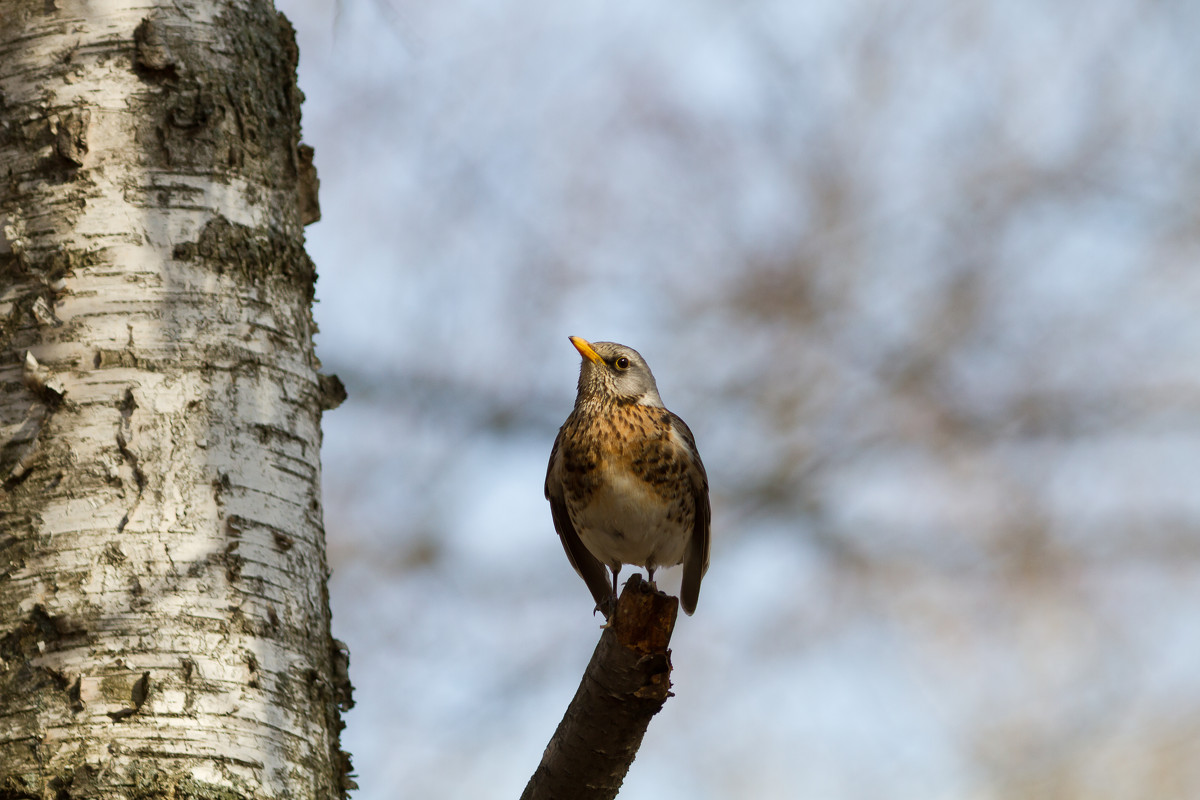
pixel 625 684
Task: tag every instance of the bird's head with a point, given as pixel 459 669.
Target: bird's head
pixel 614 371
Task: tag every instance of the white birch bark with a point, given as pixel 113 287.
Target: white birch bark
pixel 164 622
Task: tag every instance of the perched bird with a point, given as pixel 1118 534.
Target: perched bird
pixel 625 483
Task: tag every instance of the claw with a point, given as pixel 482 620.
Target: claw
pixel 607 608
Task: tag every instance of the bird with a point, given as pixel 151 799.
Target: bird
pixel 625 482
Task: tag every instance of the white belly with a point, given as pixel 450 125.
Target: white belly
pixel 625 524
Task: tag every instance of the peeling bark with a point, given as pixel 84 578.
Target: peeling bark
pixel 164 619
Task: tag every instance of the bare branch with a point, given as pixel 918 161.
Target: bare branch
pixel 624 685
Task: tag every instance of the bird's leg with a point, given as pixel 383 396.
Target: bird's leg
pixel 650 576
pixel 609 607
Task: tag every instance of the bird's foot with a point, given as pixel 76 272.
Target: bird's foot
pixel 650 578
pixel 608 608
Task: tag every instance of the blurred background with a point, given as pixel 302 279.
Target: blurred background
pixel 924 280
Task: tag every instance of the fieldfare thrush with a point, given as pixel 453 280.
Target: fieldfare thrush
pixel 625 483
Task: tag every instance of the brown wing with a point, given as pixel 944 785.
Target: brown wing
pixel 589 568
pixel 695 559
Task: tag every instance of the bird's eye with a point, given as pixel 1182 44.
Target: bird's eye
pixel 622 363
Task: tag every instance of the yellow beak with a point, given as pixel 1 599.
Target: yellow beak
pixel 585 349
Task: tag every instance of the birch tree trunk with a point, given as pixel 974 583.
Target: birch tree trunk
pixel 164 618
